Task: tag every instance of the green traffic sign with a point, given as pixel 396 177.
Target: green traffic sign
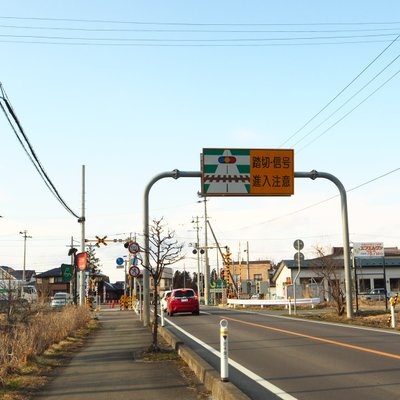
pixel 67 272
pixel 217 284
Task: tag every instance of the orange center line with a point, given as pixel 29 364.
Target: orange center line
pixel 381 353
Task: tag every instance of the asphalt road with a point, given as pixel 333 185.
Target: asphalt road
pixel 301 359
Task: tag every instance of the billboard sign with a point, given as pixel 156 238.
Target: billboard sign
pixel 369 249
pixel 247 172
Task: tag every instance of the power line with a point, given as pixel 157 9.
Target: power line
pixel 74 44
pixel 174 23
pixel 279 39
pixel 341 91
pixel 323 201
pixel 152 30
pixel 31 153
pixel 348 113
pixel 348 100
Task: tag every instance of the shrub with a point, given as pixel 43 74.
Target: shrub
pixel 23 340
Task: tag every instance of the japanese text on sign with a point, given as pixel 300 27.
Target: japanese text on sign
pixel 262 172
pixel 368 249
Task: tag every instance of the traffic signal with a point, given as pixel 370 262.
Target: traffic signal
pixel 195 251
pixel 228 276
pixel 227 256
pixel 222 274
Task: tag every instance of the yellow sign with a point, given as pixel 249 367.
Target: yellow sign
pixel 253 172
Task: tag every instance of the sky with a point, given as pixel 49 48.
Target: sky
pixel 131 89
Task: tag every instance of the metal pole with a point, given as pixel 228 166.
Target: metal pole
pixel 355 278
pixel 345 231
pixel 146 275
pixel 71 283
pixel 384 279
pixel 248 262
pixel 207 266
pixel 198 259
pixel 295 281
pixel 25 236
pixel 82 220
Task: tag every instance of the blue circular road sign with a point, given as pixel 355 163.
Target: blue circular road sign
pixel 120 261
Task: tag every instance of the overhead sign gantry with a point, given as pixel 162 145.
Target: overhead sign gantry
pixel 247 172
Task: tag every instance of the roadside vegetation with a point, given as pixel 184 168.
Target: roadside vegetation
pixel 35 340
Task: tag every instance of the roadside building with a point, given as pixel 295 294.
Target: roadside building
pixel 253 277
pixel 319 274
pixel 50 282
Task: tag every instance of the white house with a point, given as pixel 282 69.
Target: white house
pixel 314 274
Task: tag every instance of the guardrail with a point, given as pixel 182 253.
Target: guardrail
pixel 277 302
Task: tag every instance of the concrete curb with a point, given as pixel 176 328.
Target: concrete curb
pixel 207 375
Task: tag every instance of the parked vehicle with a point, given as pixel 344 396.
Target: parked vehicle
pixel 14 290
pixel 375 294
pixel 164 300
pixel 61 299
pixel 183 300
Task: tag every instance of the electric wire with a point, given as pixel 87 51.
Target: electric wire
pixel 321 201
pixel 340 92
pixel 152 30
pixel 173 23
pixel 188 45
pixel 347 101
pixel 31 153
pixel 278 39
pixel 348 113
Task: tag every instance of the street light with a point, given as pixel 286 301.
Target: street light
pixel 25 236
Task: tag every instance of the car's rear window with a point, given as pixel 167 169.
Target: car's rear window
pixel 184 293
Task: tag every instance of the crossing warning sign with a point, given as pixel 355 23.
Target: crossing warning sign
pixel 247 172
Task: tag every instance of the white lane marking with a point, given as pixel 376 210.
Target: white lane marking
pixel 342 325
pixel 261 381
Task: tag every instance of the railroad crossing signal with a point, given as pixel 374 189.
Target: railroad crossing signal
pixel 104 241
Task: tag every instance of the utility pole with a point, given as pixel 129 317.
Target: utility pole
pixel 196 221
pixel 248 263
pixel 82 274
pixel 207 266
pixel 25 236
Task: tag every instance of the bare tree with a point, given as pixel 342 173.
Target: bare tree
pixel 164 250
pixel 328 269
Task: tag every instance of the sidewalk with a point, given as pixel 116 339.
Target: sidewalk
pixel 106 369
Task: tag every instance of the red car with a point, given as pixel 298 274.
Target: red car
pixel 183 300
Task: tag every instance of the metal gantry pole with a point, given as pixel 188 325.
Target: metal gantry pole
pixel 146 275
pixel 345 231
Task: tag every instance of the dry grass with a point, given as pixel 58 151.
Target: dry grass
pixel 24 342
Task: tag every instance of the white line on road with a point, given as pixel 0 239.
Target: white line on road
pixel 256 378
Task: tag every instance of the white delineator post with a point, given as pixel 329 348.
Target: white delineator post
pixel 393 301
pixel 224 350
pixel 162 316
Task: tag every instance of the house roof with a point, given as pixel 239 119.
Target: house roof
pixel 50 272
pixel 6 272
pixel 29 274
